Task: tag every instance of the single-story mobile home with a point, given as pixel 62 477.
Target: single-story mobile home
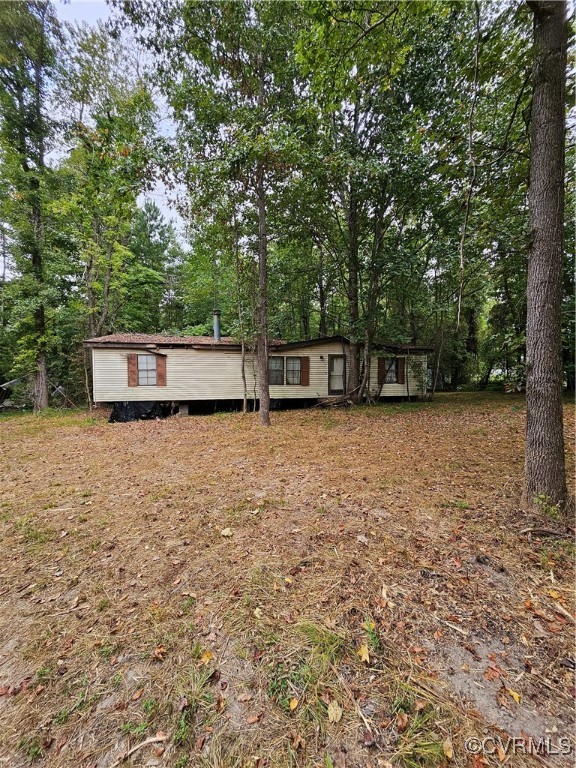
pixel 186 369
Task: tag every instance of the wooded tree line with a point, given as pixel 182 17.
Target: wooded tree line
pixel 342 167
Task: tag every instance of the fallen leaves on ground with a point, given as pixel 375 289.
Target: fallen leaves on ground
pixel 335 711
pixel 391 557
pixel 363 653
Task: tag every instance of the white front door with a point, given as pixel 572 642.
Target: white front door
pixel 336 374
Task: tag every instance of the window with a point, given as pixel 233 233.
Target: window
pixel 146 370
pixel 391 371
pixel 289 370
pixel 293 370
pixel 276 370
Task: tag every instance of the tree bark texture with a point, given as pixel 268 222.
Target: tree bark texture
pixel 353 299
pixel 545 478
pixel 40 399
pixel 40 395
pixel 37 131
pixel 353 266
pixel 322 299
pixel 263 379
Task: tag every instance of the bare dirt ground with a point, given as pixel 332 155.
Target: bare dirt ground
pixel 346 588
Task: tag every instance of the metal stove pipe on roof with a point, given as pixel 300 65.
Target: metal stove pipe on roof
pixel 216 317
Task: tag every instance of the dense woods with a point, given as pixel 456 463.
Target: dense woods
pixel 339 168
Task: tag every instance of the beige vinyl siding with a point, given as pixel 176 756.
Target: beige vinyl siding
pixel 191 374
pixel 197 374
pixel 415 364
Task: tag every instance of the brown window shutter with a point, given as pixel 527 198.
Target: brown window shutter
pixel 401 370
pixel 305 371
pixel 160 370
pixel 381 370
pixel 132 370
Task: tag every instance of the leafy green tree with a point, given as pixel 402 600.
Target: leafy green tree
pixel 152 282
pixel 108 167
pixel 382 86
pixel 96 67
pixel 28 39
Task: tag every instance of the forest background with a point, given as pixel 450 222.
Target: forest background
pixel 384 148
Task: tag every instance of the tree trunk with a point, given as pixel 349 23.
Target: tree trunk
pixel 263 375
pixel 3 314
pixel 40 396
pixel 407 374
pixel 88 378
pixel 353 384
pixel 365 383
pixel 263 382
pixel 323 325
pixel 545 468
pixel 436 364
pixel 40 399
pixel 353 301
pixel 486 376
pixel 236 249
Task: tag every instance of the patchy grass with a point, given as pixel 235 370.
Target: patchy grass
pixel 375 599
